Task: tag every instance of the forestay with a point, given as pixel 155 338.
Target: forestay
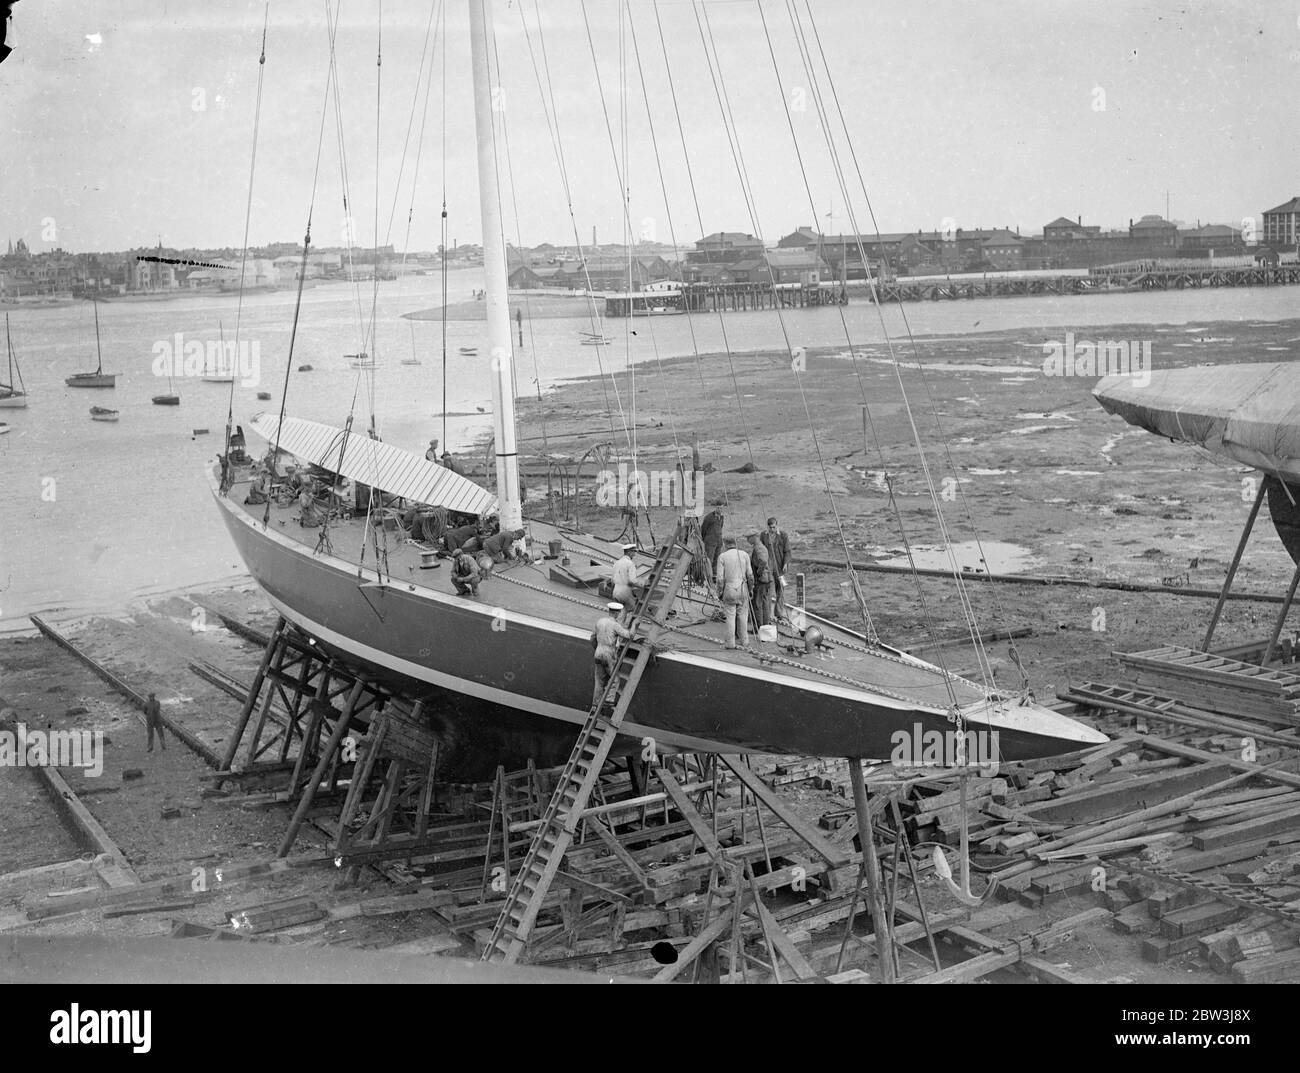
pixel 380 465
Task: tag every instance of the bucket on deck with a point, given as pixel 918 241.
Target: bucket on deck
pixel 554 547
pixel 767 633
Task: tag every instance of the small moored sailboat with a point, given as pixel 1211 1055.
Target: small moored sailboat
pixel 98 378
pixel 217 374
pixel 13 393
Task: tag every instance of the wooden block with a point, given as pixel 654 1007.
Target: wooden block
pixel 1167 901
pixel 1255 944
pixel 1030 794
pixel 1198 919
pixel 1162 949
pixel 1117 901
pixel 1073 878
pixel 1138 888
pixel 1031 897
pixel 1279 968
pixel 1010 844
pixel 1134 920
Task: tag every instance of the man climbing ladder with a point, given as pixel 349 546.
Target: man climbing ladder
pixel 559 822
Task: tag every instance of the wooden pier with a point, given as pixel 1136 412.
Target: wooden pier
pixel 1098 281
pixel 725 297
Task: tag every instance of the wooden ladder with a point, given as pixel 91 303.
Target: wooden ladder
pixel 565 809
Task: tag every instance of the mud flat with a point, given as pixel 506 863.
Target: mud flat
pixel 1054 484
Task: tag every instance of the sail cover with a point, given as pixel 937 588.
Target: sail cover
pixel 380 465
pixel 1248 413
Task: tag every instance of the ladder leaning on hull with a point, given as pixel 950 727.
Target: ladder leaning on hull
pixel 565 809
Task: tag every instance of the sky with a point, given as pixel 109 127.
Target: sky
pixel 128 122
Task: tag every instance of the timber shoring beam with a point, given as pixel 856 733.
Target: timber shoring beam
pixel 76 816
pixel 1236 561
pixel 205 751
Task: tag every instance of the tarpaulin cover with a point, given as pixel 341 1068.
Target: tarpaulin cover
pixel 380 465
pixel 1248 413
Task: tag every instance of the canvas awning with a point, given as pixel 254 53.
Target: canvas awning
pixel 380 465
pixel 1249 413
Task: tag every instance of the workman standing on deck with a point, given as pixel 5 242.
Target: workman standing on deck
pixel 604 639
pixel 776 541
pixel 735 579
pixel 624 577
pixel 431 455
pixel 153 722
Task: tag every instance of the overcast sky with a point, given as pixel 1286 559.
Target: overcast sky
pixel 129 120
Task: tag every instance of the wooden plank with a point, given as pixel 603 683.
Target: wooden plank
pixel 683 803
pixel 1047 973
pixel 833 855
pixel 595 823
pixel 1113 799
pixel 88 830
pixel 970 970
pixel 785 947
pixel 693 949
pixel 1201 861
pixel 184 734
pixel 1215 837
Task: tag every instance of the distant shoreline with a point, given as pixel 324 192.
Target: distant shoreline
pixel 134 299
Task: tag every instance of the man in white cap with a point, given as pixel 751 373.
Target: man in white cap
pixel 624 576
pixel 431 455
pixel 604 639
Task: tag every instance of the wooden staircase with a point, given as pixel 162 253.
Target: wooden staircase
pixel 564 812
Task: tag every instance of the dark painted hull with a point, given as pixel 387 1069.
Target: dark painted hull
pixel 684 701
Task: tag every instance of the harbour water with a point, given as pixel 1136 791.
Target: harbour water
pixel 94 516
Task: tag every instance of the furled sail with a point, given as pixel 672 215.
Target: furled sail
pixel 380 465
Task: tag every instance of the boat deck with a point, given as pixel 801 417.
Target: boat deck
pixel 528 589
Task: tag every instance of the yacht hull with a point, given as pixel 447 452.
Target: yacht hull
pixel 402 633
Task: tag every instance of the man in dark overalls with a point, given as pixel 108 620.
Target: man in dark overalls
pixel 153 721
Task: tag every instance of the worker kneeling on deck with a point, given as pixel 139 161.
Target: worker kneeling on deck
pixel 464 574
pixel 501 546
pixel 604 639
pixel 735 580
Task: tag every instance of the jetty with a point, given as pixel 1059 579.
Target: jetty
pixel 1108 280
pixel 725 298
